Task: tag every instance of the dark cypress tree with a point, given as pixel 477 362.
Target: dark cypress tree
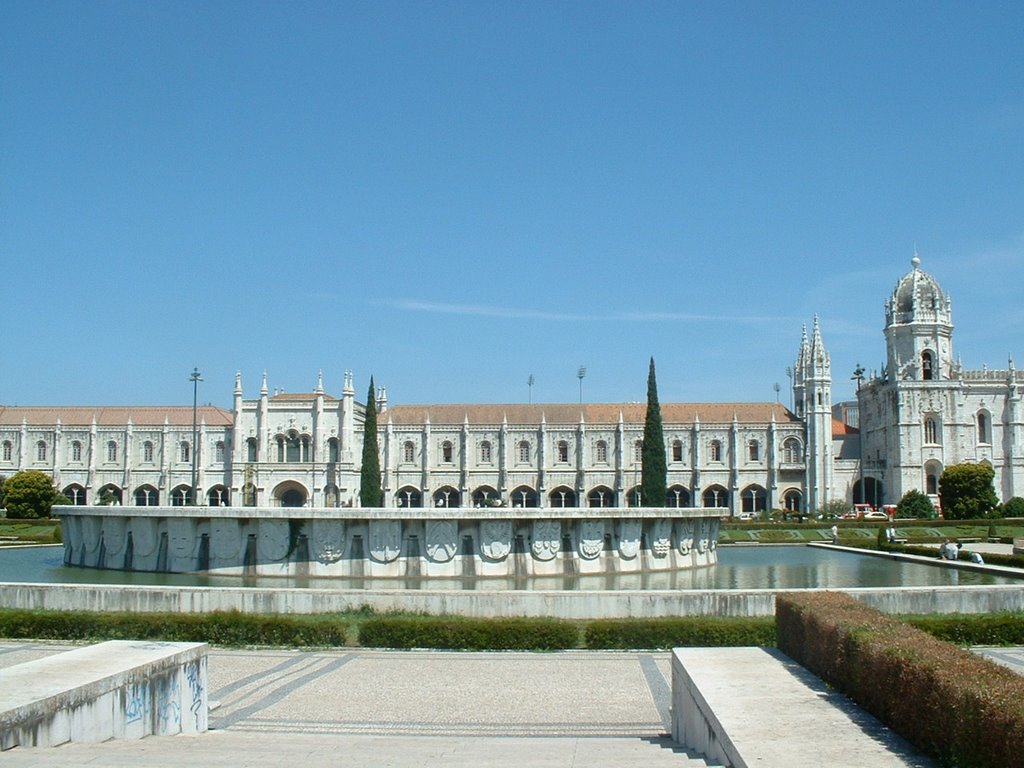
pixel 370 493
pixel 654 477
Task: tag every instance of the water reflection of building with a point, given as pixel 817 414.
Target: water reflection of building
pixel 921 413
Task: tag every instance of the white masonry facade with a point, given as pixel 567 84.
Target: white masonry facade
pixel 919 415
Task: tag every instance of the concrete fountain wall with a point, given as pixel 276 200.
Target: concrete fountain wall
pixel 390 543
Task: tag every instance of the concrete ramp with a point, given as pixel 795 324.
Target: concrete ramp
pixel 120 689
pixel 746 707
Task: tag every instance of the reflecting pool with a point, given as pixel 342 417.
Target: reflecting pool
pixel 739 568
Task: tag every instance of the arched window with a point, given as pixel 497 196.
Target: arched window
pixel 111 451
pixel 332 452
pixel 716 496
pixel 601 496
pixel 931 431
pixel 485 452
pixel 524 452
pixel 218 452
pixel 601 452
pixel 218 496
pixel 562 497
pixel 562 452
pixel 932 471
pixel 250 449
pixel 754 499
pixel 638 451
pixel 75 494
pixel 408 452
pixel 147 452
pixel 927 366
pixel 792 500
pixel 753 451
pixel 40 451
pixel 984 428
pixel 677 496
pixel 185 452
pixel 446 452
pixel 146 496
pixel 76 451
pixel 179 496
pixel 677 450
pixel 792 453
pixel 715 451
pixel 409 497
pixel 8 450
pixel 523 496
pixel 292 448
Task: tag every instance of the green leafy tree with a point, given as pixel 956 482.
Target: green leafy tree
pixel 966 491
pixel 915 504
pixel 370 493
pixel 30 495
pixel 654 469
pixel 833 509
pixel 1014 507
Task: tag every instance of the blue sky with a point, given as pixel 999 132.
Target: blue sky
pixel 454 196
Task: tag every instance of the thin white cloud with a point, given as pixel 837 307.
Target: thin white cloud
pixel 525 313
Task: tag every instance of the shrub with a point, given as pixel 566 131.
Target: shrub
pixel 673 632
pixel 966 491
pixel 979 629
pixel 220 627
pixel 915 504
pixel 29 495
pixel 461 633
pixel 1013 507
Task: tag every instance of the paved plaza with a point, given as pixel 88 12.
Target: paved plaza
pixel 406 708
pixel 356 707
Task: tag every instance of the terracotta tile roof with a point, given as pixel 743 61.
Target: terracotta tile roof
pixel 112 416
pixel 842 428
pixel 592 413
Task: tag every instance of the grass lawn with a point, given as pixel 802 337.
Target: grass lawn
pixel 27 531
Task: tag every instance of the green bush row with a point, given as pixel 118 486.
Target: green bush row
pixel 676 632
pixel 980 629
pixel 960 708
pixel 230 628
pixel 519 634
pixel 454 632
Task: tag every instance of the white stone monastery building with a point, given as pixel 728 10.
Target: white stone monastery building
pixel 917 416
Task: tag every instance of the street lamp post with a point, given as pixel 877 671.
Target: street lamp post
pixel 580 374
pixel 195 378
pixel 529 384
pixel 858 376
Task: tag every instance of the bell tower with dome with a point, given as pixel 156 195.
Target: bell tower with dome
pixel 919 329
pixel 923 412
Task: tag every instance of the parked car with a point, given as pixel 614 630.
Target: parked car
pixel 875 515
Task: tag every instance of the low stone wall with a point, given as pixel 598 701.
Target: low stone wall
pixel 390 543
pixel 120 689
pixel 485 603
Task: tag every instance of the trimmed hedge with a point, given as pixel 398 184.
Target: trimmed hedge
pixel 229 628
pixel 960 708
pixel 980 629
pixel 461 633
pixel 675 632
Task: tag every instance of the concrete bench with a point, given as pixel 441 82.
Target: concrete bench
pixel 122 689
pixel 756 707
